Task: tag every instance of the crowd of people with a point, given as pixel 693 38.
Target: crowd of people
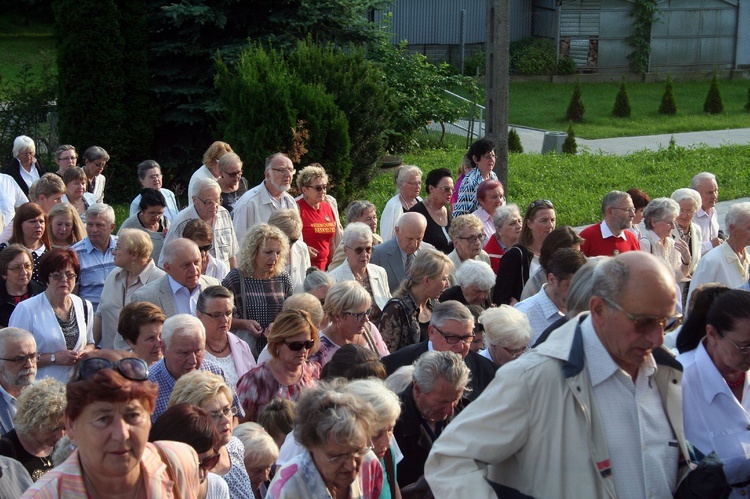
pixel 254 344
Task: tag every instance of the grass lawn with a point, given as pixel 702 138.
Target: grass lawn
pixel 21 44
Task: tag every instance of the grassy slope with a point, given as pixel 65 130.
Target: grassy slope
pixel 20 44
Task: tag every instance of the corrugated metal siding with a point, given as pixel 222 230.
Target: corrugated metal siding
pixel 579 21
pixel 743 35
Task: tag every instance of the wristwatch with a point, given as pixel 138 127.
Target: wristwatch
pixel 52 358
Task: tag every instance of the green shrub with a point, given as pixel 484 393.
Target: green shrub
pixel 747 106
pixel 570 146
pixel 566 66
pixel 622 102
pixel 476 64
pixel 514 141
pixel 713 104
pixel 533 56
pixel 576 108
pixel 668 105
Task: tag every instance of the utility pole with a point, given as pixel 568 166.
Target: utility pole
pixel 498 78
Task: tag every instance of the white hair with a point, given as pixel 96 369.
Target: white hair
pixel 696 181
pixel 204 183
pixel 182 325
pixel 259 445
pixel 405 172
pixel 475 272
pixel 505 326
pixel 101 210
pixel 447 365
pixel 357 231
pixel 23 143
pixel 736 213
pixel 374 391
pixel 503 212
pixel 658 209
pixel 10 335
pixel 684 193
pixel 400 379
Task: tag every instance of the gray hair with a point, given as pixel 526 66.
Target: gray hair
pixel 612 198
pixel 211 293
pixel 23 143
pixel 735 214
pixel 182 325
pixel 658 209
pixel 316 279
pixel 400 379
pixel 405 172
pixel 145 166
pixel 288 221
pixel 610 279
pixel 356 231
pixel 175 247
pixel 269 159
pixel 259 445
pixel 684 193
pixel 696 181
pixel 228 159
pixel 204 183
pixel 505 326
pixel 581 287
pixel 358 208
pixel 307 302
pixel 447 365
pixel 10 335
pixel 101 210
pixel 502 213
pixel 451 310
pixel 385 403
pixel 344 296
pixel 95 152
pixel 40 407
pixel 475 272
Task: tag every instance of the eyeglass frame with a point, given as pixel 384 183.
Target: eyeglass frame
pixel 17 268
pixel 58 276
pixel 23 358
pixel 359 249
pixel 453 339
pixel 339 458
pixel 284 171
pixel 359 315
pixel 319 188
pixel 225 315
pixel 480 237
pixel 229 411
pixel 742 350
pixel 296 346
pixel 637 319
pixel 209 202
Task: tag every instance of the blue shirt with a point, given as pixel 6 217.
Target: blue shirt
pixel 95 267
pixel 467 194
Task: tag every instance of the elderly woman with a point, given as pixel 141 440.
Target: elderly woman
pixel 66 227
pixel 561 237
pixel 209 392
pixel 467 233
pixel 16 268
pixel 357 267
pixel 317 283
pixel 298 260
pixel 508 223
pixel 318 218
pixel 406 316
pixel 640 201
pixel 233 184
pixel 522 260
pixel 109 401
pixel 210 167
pixel 150 177
pixel 47 191
pixel 433 207
pixel 139 329
pixel 482 156
pixel 261 453
pixel 65 157
pixel 214 309
pixel 24 167
pixel 292 338
pixel 491 196
pixel 475 280
pixel 507 334
pixel 75 191
pixel 134 269
pixel 408 184
pixel 660 219
pixel 336 431
pixel 39 424
pixel 347 304
pixel 201 234
pixel 714 387
pixel 357 211
pixel 259 283
pixel 30 231
pixel 62 323
pixel 150 219
pixel 690 202
pixel 94 160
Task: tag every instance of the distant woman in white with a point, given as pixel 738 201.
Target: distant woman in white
pixel 149 175
pixel 715 398
pixel 690 202
pixel 409 184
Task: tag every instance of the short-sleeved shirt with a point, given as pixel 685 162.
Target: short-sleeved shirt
pixel 95 267
pixel 318 230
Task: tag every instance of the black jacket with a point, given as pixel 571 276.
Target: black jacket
pixel 13 168
pixel 7 305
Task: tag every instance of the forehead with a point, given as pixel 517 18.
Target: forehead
pixel 271 245
pixel 707 184
pixel 152 171
pixel 544 213
pixel 281 162
pixel 209 190
pixel 456 328
pixel 181 341
pixel 23 344
pixel 219 303
pixel 216 403
pixel 96 220
pixel 411 230
pixel 443 390
pixel 187 254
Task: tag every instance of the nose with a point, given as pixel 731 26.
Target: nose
pixel 120 429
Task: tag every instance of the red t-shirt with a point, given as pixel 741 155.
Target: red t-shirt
pixel 596 245
pixel 318 229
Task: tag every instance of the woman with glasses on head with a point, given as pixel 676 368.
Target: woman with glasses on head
pixel 66 227
pixel 16 267
pixel 201 234
pixel 467 232
pixel 292 339
pixel 319 222
pixel 61 322
pixel 66 157
pixel 233 184
pixel 491 196
pixel 357 267
pixel 150 177
pixel 507 334
pixel 482 156
pixel 109 401
pixel 433 207
pixel 408 180
pixel 30 231
pixel 522 260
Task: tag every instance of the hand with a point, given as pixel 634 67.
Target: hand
pixel 254 328
pixel 683 248
pixel 716 241
pixel 66 357
pixel 313 251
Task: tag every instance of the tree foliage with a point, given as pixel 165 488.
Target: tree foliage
pixel 570 146
pixel 668 105
pixel 644 14
pixel 713 103
pixel 514 141
pixel 622 102
pixel 576 109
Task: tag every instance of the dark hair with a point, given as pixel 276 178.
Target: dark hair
pixel 189 424
pixel 485 186
pixel 25 212
pixel 694 328
pixel 354 362
pixel 74 173
pixel 137 314
pixel 640 198
pixel 197 229
pixel 536 206
pixel 145 166
pixel 107 385
pixel 151 197
pixel 11 252
pixel 562 237
pixel 480 148
pixel 565 262
pixel 56 260
pixel 435 176
pixel 727 308
pixel 277 417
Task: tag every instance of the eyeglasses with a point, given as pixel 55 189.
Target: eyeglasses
pixel 517 352
pixel 238 173
pixel 296 346
pixel 359 249
pixel 489 155
pixel 644 322
pixel 669 223
pixel 452 339
pixel 227 412
pixel 219 315
pixel 58 276
pixel 318 188
pixel 210 463
pixel 473 239
pixel 27 267
pixel 208 202
pixel 743 350
pixel 415 184
pixel 360 316
pixel 339 458
pixel 542 202
pixel 284 171
pixel 22 359
pixel 446 189
pixel 631 211
pixel 206 248
pixel 155 176
pixel 130 367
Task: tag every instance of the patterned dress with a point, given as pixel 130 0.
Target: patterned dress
pixel 399 324
pixel 236 477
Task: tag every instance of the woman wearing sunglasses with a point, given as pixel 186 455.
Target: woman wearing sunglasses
pixel 292 339
pixel 233 184
pixel 320 224
pixel 107 417
pixel 209 392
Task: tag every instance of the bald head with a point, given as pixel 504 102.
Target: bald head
pixel 182 261
pixel 410 229
pixel 627 273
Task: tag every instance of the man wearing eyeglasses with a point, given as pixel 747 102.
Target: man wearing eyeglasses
pixel 611 237
pixel 595 411
pixel 18 357
pixel 257 204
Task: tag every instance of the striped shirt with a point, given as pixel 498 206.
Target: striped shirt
pixel 95 267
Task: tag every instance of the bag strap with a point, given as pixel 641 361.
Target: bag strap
pixel 243 293
pixel 369 339
pixel 391 472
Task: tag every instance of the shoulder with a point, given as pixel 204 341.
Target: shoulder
pixel 590 230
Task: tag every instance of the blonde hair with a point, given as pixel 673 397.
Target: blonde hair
pixel 215 151
pixel 291 323
pixel 462 222
pixel 310 173
pixel 40 407
pixel 344 296
pixel 428 263
pixel 199 388
pixel 78 231
pixel 259 445
pixel 308 303
pixel 252 243
pixel 136 241
pixel 288 221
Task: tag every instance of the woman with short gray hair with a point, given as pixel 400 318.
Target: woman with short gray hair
pixel 660 218
pixel 690 202
pixel 508 223
pixel 475 281
pixel 150 177
pixel 24 167
pixel 95 158
pixel 357 211
pixel 507 334
pixel 408 185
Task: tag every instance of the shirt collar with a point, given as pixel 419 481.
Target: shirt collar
pixel 606 232
pixel 711 379
pixel 176 286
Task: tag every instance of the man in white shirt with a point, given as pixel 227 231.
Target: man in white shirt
pixel 707 218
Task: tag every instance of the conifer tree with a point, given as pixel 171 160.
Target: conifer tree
pixel 713 104
pixel 622 102
pixel 514 141
pixel 570 146
pixel 576 108
pixel 668 105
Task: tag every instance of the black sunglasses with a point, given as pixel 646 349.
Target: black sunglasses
pixel 206 248
pixel 130 367
pixel 296 346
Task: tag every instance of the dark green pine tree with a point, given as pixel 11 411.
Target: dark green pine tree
pixel 622 102
pixel 713 103
pixel 514 141
pixel 576 108
pixel 668 105
pixel 570 146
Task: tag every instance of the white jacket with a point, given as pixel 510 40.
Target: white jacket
pixel 378 281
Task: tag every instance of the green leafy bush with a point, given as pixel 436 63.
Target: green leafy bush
pixel 576 109
pixel 514 141
pixel 668 105
pixel 533 56
pixel 566 66
pixel 476 64
pixel 713 103
pixel 570 146
pixel 622 102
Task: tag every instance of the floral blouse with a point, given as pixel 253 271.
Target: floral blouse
pixel 399 324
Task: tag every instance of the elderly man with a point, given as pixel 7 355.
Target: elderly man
pixel 438 383
pixel 727 263
pixel 396 254
pixel 451 329
pixel 178 291
pixel 18 357
pixel 548 305
pixel 610 237
pixel 475 281
pixel 257 204
pixel 595 411
pixel 184 341
pixel 707 218
pixel 207 206
pixel 95 252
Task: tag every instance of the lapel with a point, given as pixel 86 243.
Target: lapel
pixel 166 299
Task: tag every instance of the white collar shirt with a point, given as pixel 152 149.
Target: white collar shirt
pixel 708 221
pixel 607 232
pixel 541 312
pixel 29 176
pixel 185 301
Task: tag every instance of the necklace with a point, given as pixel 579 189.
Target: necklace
pixel 736 384
pixel 218 351
pixel 439 213
pixel 407 205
